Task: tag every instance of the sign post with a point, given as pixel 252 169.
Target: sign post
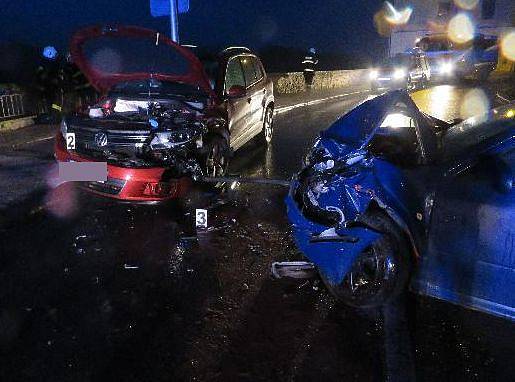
pixel 170 8
pixel 174 21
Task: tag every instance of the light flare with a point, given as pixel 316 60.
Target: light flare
pixel 395 17
pixel 460 29
pixel 468 5
pixel 508 45
pixel 475 103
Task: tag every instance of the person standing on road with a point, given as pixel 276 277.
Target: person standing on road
pixel 309 63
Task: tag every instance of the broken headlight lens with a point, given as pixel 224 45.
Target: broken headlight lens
pixel 181 136
pixel 174 138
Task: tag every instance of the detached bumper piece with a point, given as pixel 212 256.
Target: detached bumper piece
pixel 293 269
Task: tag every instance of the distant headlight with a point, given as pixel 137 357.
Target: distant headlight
pixel 63 128
pixel 373 74
pixel 399 73
pixel 446 68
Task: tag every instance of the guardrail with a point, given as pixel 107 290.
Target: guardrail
pixel 11 106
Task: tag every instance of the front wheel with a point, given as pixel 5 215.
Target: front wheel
pixel 268 126
pixel 216 160
pixel 381 272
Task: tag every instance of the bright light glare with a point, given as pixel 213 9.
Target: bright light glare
pixel 446 68
pixel 510 113
pixel 474 103
pixel 466 4
pixel 373 74
pixel 395 17
pixel 460 29
pixel 438 102
pixel 508 46
pixel 399 73
pixel 396 121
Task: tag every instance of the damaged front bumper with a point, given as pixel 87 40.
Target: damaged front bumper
pixel 332 250
pixel 129 184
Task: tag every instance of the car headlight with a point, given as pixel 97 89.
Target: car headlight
pixel 446 68
pixel 169 139
pixel 373 74
pixel 181 136
pixel 64 128
pixel 399 73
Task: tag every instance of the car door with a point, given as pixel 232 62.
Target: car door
pixel 256 92
pixel 471 248
pixel 238 108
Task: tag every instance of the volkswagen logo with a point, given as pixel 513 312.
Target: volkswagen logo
pixel 101 139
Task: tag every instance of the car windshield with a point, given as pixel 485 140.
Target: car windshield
pixel 152 86
pixel 398 61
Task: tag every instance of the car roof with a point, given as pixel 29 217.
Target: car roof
pixel 234 51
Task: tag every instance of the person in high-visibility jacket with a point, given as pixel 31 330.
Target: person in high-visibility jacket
pixel 309 63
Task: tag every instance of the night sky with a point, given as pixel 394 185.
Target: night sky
pixel 333 26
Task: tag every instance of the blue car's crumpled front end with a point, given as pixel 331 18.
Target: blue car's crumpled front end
pixel 338 184
pixel 334 254
pixel 325 202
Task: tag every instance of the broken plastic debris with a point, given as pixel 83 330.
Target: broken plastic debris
pixel 327 165
pixel 293 269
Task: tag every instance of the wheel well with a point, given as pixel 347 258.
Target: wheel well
pixel 374 206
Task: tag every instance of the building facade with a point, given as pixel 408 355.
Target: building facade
pixel 491 17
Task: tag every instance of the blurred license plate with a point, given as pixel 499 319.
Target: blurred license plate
pixel 82 171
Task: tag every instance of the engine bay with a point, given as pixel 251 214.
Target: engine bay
pixel 139 132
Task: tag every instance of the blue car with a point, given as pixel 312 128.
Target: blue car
pixel 391 198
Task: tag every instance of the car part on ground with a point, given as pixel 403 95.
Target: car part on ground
pixel 293 269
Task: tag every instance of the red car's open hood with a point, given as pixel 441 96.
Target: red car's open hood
pixel 109 55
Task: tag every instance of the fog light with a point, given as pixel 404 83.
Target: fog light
pixel 159 189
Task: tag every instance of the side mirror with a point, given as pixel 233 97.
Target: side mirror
pixel 236 91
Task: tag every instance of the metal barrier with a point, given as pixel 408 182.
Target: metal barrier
pixel 11 106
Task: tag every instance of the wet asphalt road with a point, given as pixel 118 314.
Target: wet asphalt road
pixel 116 291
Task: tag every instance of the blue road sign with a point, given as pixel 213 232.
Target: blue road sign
pixel 160 8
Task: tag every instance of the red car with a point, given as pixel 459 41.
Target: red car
pixel 161 121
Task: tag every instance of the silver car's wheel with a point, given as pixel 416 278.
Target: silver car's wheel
pixel 216 160
pixel 268 125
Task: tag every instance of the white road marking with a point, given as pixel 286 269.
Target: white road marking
pixel 36 141
pixel 284 109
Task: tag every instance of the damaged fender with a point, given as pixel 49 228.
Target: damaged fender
pixel 332 251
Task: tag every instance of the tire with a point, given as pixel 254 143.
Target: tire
pixel 215 160
pixel 268 126
pixel 381 272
